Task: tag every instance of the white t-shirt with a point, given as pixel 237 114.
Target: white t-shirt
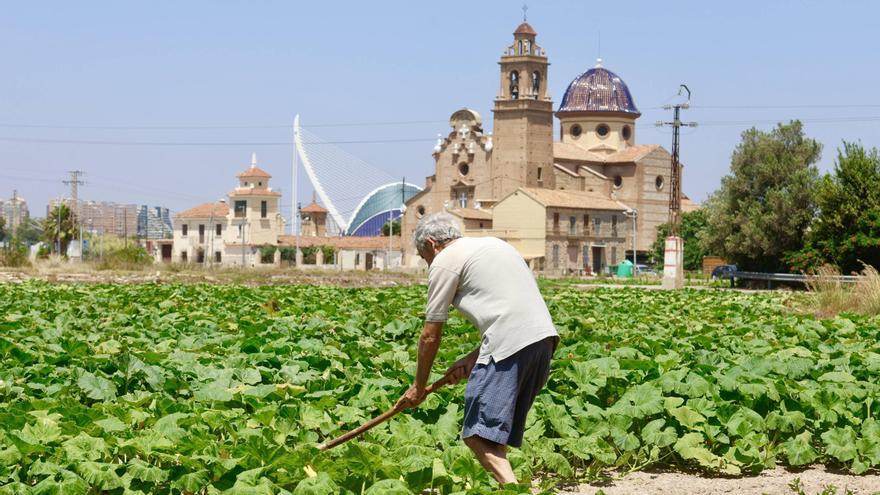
pixel 489 282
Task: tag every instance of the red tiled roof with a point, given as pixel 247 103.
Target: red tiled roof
pixel 568 151
pixel 205 210
pixel 313 208
pixel 254 171
pixel 525 28
pixel 573 199
pixel 688 205
pixel 565 169
pixel 631 154
pixel 344 242
pixel 253 191
pixel 471 213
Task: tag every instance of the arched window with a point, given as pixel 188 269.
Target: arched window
pixel 536 83
pixel 520 47
pixel 514 85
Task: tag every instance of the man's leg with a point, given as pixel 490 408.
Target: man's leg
pixel 493 457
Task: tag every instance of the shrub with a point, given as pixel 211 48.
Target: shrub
pixel 131 257
pixel 267 253
pixel 309 254
pixel 329 254
pixel 15 254
pixel 288 253
pixel 44 251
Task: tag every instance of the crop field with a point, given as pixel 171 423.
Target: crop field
pixel 154 388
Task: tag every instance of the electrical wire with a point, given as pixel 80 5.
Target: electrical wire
pixel 182 143
pixel 213 127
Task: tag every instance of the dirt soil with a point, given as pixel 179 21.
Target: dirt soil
pixel 777 481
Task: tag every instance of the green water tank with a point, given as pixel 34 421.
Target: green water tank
pixel 625 269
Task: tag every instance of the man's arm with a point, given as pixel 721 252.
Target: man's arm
pixel 462 368
pixel 442 285
pixel 429 343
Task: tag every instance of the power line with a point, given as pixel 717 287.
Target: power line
pixel 747 107
pixel 184 143
pixel 210 127
pixel 827 120
pixel 770 107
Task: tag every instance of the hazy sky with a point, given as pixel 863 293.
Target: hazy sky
pixel 78 78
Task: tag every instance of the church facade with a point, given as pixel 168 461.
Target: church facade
pixel 567 203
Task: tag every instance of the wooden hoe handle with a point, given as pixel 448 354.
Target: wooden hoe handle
pixel 381 418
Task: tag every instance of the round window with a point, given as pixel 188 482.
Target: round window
pixel 576 130
pixel 420 210
pixel 602 130
pixel 626 132
pixel 659 182
pixel 618 181
pixel 464 168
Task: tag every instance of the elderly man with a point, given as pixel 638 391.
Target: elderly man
pixel 486 280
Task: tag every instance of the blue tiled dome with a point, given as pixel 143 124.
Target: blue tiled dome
pixel 598 90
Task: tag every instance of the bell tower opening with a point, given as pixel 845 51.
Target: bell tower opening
pixel 514 85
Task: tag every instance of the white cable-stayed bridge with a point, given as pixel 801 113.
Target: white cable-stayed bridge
pixel 360 197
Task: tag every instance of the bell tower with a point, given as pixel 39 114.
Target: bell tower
pixel 523 121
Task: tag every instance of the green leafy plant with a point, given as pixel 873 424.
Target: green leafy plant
pixel 165 388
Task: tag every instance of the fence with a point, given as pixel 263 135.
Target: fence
pixel 790 278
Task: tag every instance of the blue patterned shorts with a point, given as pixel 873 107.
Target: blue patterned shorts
pixel 498 396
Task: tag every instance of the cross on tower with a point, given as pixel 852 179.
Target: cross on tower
pixel 525 9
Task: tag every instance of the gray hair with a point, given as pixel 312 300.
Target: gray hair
pixel 440 227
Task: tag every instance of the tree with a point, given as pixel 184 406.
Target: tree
pixel 30 231
pixel 693 223
pixel 59 228
pixel 395 228
pixel 2 228
pixel 766 203
pixel 847 230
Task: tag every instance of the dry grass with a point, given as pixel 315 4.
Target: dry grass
pixel 830 297
pixel 867 292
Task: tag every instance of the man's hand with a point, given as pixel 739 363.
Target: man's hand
pixel 412 397
pixel 461 369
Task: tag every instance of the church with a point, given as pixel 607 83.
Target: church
pixel 572 203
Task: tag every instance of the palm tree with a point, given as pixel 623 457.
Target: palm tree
pixel 59 228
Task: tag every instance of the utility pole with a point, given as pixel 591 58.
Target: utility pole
pixel 212 232
pixel 294 206
pixel 297 256
pixel 633 215
pixel 244 223
pixel 673 257
pixel 58 217
pixel 74 184
pixel 15 214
